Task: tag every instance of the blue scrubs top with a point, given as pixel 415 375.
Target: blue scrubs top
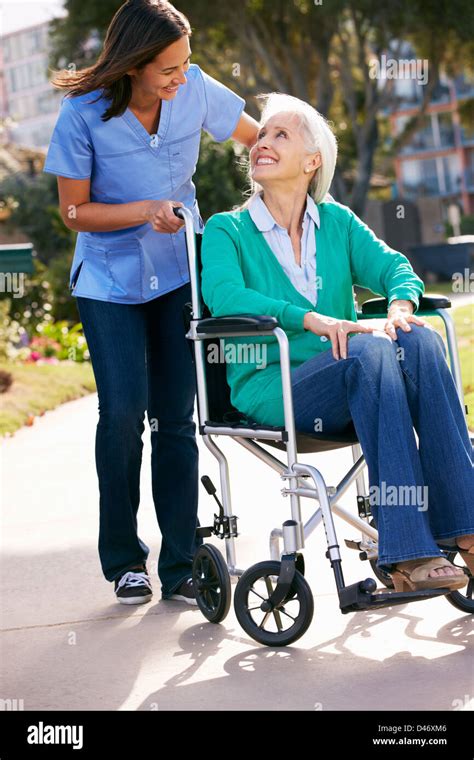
pixel 125 163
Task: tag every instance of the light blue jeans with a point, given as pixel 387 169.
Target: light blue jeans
pixel 387 388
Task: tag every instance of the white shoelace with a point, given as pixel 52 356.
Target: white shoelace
pixel 134 579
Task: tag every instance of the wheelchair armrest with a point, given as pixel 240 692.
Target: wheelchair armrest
pixel 427 303
pixel 236 323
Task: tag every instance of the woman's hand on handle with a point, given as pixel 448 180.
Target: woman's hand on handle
pixel 337 330
pixel 82 215
pixel 161 217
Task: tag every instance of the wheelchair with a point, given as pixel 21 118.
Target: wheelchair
pixel 273 601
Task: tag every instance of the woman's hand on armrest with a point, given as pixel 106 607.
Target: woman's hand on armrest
pixel 399 314
pixel 336 330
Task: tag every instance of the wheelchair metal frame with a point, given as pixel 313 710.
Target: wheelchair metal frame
pixel 294 533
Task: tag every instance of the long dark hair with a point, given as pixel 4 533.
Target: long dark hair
pixel 139 31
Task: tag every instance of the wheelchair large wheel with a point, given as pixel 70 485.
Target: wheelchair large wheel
pixel 287 622
pixel 211 581
pixel 462 598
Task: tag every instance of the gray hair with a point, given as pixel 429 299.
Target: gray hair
pixel 317 135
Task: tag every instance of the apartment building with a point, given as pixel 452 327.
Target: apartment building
pixel 438 161
pixel 29 103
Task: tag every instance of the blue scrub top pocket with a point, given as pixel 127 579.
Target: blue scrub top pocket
pixel 124 264
pixel 183 156
pixel 75 276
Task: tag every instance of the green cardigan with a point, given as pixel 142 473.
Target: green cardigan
pixel 241 275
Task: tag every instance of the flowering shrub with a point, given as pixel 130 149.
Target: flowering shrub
pixel 52 342
pixel 61 341
pixel 43 350
pixel 13 336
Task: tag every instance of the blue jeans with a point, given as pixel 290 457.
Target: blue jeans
pixel 142 362
pixel 386 388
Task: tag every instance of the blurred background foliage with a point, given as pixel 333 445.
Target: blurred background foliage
pixel 321 53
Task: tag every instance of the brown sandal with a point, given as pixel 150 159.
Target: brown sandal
pixel 414 575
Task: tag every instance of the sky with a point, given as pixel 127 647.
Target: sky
pixel 20 14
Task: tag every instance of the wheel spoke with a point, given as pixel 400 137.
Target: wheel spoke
pixel 209 585
pixel 284 612
pixel 214 596
pixel 276 615
pixel 269 586
pixel 207 600
pixel 257 594
pixel 276 612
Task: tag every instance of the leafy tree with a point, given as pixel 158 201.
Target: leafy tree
pixel 36 213
pixel 220 177
pixel 320 52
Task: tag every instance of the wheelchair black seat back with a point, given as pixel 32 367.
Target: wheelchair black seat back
pixel 273 601
pixel 222 413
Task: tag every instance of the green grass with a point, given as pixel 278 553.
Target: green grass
pixel 463 318
pixel 37 389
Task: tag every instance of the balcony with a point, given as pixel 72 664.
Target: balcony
pixel 424 142
pixel 430 187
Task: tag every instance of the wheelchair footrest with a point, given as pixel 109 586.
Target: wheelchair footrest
pixel 364 595
pixel 351 544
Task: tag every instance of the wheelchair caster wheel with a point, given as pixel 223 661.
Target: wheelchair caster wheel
pixel 211 581
pixel 274 627
pixel 462 598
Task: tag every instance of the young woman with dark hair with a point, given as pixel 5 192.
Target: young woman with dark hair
pixel 124 149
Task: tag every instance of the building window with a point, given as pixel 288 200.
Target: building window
pixel 420 178
pixel 452 174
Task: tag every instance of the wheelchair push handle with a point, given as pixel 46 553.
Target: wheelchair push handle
pixel 193 264
pixel 185 214
pixel 208 485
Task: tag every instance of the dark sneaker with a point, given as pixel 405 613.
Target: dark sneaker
pixel 133 587
pixel 184 593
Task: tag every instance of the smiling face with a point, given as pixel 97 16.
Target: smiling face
pixel 280 155
pixel 162 77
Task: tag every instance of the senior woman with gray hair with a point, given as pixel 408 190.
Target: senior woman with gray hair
pixel 293 253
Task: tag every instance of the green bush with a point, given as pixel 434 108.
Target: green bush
pixel 467 226
pixel 220 177
pixel 13 336
pixel 35 211
pixel 63 303
pixel 66 341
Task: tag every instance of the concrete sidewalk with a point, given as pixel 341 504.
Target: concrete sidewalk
pixel 67 645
